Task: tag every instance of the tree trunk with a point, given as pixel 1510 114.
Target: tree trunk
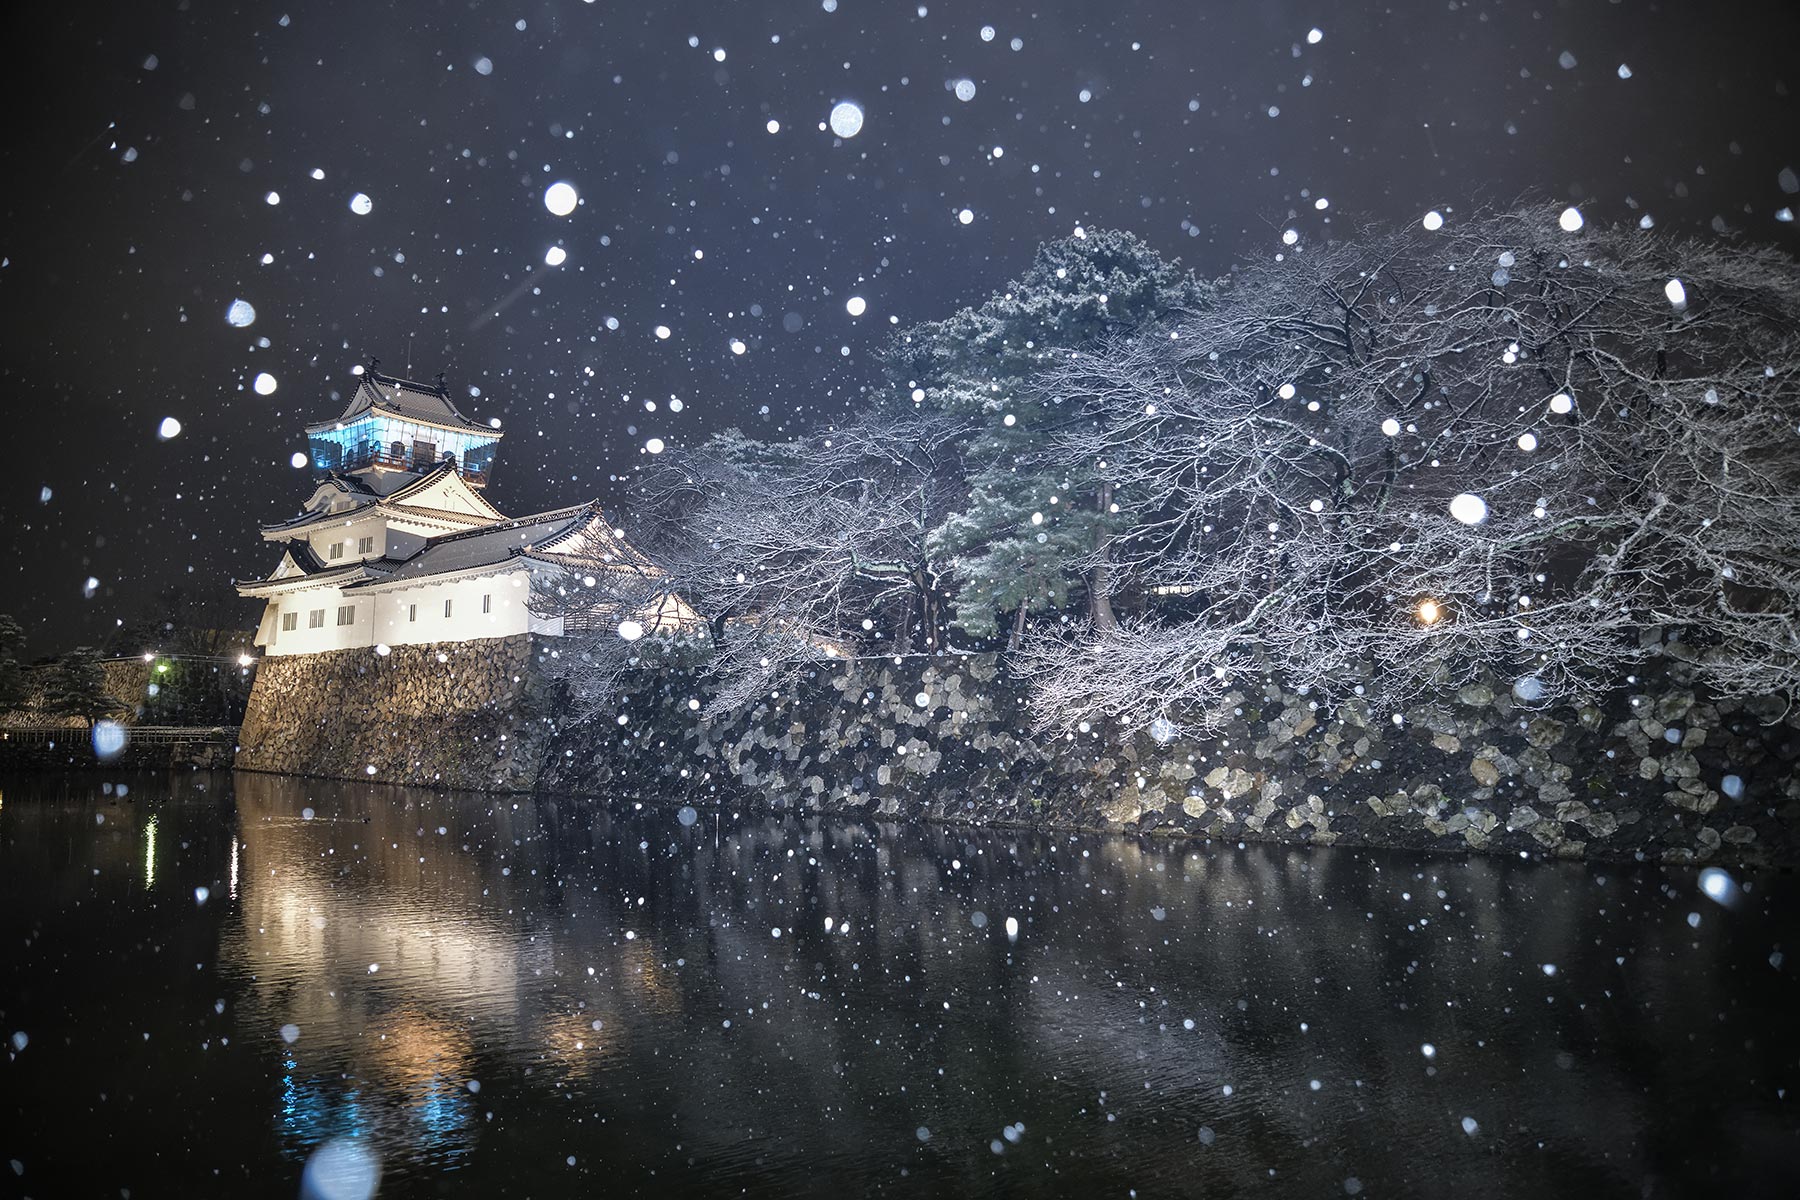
pixel 903 633
pixel 1100 610
pixel 931 612
pixel 1018 628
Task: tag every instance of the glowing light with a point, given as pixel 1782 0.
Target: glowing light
pixel 150 853
pixel 773 126
pixel 272 199
pixel 109 739
pixel 654 446
pixel 1528 441
pixel 1391 427
pixel 341 1169
pixel 245 660
pixel 1571 219
pixel 846 119
pixel 856 306
pixel 1717 884
pixel 1430 613
pixel 1676 293
pixel 737 347
pixel 561 198
pixel 1314 36
pixel 1562 403
pixel 265 384
pixel 1290 236
pixel 297 461
pixel 555 256
pixel 662 332
pixel 169 428
pixel 1434 220
pixel 1469 508
pixel 966 216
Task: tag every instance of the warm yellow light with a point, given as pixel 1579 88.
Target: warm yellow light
pixel 1429 612
pixel 245 660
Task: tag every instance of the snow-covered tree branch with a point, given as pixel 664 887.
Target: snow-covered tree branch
pixel 1385 464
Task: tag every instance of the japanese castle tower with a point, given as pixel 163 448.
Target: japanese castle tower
pixel 397 545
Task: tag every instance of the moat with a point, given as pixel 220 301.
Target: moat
pixel 209 977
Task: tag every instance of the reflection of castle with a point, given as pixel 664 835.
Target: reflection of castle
pixel 397 545
pixel 614 987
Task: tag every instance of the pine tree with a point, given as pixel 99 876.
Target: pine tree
pixel 1031 534
pixel 76 687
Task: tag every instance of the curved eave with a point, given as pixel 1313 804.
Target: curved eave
pixel 339 577
pixel 382 410
pixel 387 583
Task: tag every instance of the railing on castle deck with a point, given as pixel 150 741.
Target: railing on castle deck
pixel 142 735
pixel 404 461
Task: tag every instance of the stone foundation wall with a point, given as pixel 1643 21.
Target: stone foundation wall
pixel 456 715
pixel 1658 772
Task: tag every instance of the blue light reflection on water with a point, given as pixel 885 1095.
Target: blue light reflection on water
pixel 612 985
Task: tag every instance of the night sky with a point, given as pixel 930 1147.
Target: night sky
pixel 143 140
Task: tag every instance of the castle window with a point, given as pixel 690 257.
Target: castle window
pixel 487 603
pixel 412 612
pixel 346 614
pixel 315 619
pixel 335 550
pixel 446 608
pixel 290 622
pixel 365 545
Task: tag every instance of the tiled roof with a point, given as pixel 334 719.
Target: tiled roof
pixel 489 545
pixel 404 399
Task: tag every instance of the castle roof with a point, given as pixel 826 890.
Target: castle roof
pixel 575 536
pixel 404 400
pixel 356 495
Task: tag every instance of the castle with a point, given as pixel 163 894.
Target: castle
pixel 397 544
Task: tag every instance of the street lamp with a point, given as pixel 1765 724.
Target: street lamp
pixel 1429 611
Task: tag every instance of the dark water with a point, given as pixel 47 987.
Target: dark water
pixel 509 997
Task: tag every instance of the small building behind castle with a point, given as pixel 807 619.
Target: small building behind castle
pixel 398 545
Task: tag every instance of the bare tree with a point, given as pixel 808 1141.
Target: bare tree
pixel 790 551
pixel 1384 465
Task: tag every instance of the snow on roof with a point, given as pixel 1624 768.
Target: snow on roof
pixel 406 400
pixel 489 545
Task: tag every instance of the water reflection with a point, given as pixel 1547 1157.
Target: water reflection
pixel 544 997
